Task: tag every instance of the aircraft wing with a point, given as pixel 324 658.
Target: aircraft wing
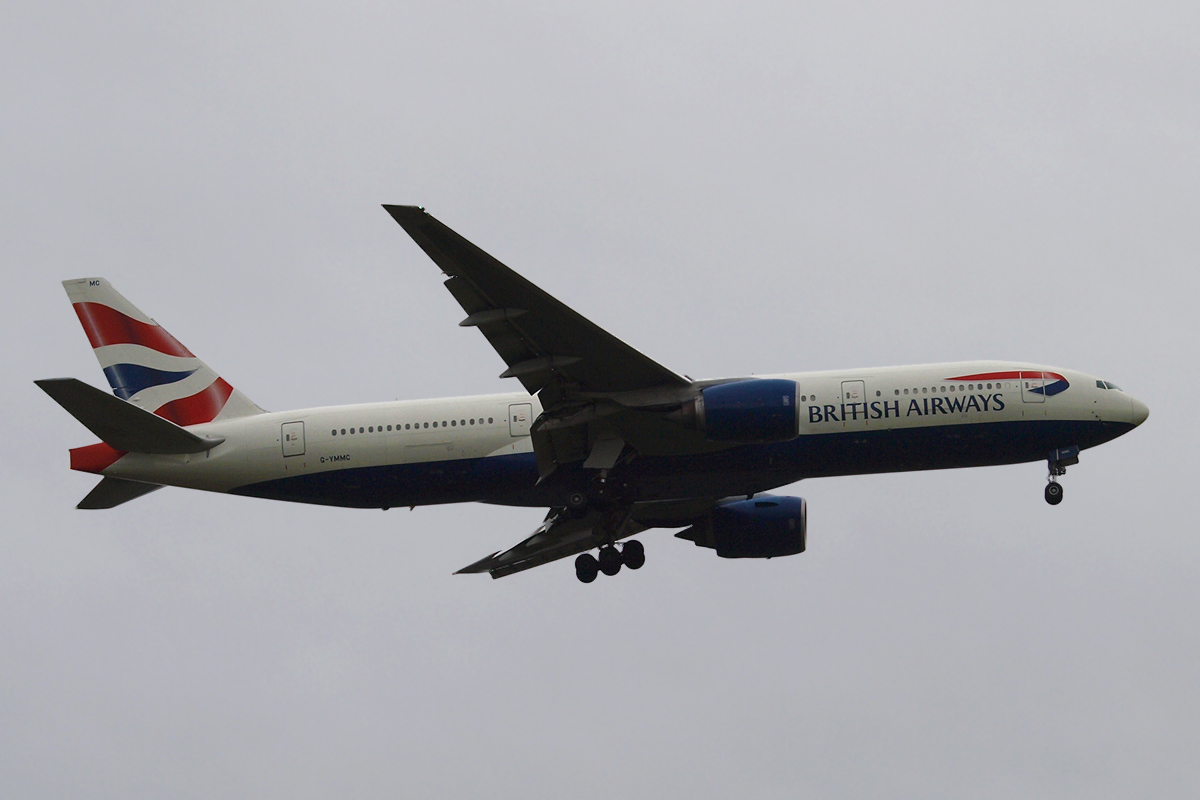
pixel 560 536
pixel 563 535
pixel 542 341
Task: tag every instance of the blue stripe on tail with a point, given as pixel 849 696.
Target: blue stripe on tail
pixel 129 379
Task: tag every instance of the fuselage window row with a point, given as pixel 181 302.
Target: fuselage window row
pixel 413 425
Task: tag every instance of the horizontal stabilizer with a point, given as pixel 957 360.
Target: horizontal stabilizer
pixel 121 424
pixel 112 492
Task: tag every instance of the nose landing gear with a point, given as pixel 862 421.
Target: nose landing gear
pixel 1057 464
pixel 610 560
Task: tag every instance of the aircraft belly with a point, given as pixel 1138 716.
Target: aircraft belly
pixel 464 480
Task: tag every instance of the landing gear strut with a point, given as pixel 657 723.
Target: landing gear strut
pixel 610 560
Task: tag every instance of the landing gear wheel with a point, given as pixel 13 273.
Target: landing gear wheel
pixel 1054 493
pixel 633 555
pixel 610 560
pixel 586 568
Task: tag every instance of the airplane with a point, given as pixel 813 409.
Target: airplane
pixel 610 442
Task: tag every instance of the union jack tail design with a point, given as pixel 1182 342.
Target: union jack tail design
pixel 148 366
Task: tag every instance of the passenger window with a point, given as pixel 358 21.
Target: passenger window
pixel 371 429
pixel 333 432
pixel 452 422
pixel 924 390
pixel 343 431
pixel 435 424
pixel 943 389
pixel 906 391
pixel 489 420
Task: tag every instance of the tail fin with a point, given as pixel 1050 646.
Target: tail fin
pixel 148 366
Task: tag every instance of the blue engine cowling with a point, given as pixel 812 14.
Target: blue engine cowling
pixel 751 411
pixel 762 527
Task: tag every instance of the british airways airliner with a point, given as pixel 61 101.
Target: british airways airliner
pixel 609 441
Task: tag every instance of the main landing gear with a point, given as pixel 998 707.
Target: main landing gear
pixel 1057 464
pixel 610 560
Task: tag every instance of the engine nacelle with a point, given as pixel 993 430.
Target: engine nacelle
pixel 762 527
pixel 752 411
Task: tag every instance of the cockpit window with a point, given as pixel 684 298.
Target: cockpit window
pixel 1100 385
pixel 1108 385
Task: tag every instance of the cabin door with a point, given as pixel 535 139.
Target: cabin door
pixel 1033 387
pixel 854 405
pixel 292 437
pixel 520 417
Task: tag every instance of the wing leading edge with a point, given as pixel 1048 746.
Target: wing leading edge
pixel 542 341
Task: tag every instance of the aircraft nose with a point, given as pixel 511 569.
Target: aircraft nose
pixel 1139 412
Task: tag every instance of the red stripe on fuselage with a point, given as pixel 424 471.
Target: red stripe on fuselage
pixel 1007 376
pixel 95 457
pixel 203 406
pixel 104 326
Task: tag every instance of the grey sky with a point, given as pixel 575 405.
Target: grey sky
pixel 729 188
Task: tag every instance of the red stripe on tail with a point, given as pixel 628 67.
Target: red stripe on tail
pixel 105 326
pixel 203 406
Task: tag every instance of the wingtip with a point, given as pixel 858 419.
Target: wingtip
pixel 405 213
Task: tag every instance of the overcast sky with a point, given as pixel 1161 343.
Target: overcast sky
pixel 730 188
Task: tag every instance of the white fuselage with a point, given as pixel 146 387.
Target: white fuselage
pixel 284 445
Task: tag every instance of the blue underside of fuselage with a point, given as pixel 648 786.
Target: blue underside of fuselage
pixel 513 479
